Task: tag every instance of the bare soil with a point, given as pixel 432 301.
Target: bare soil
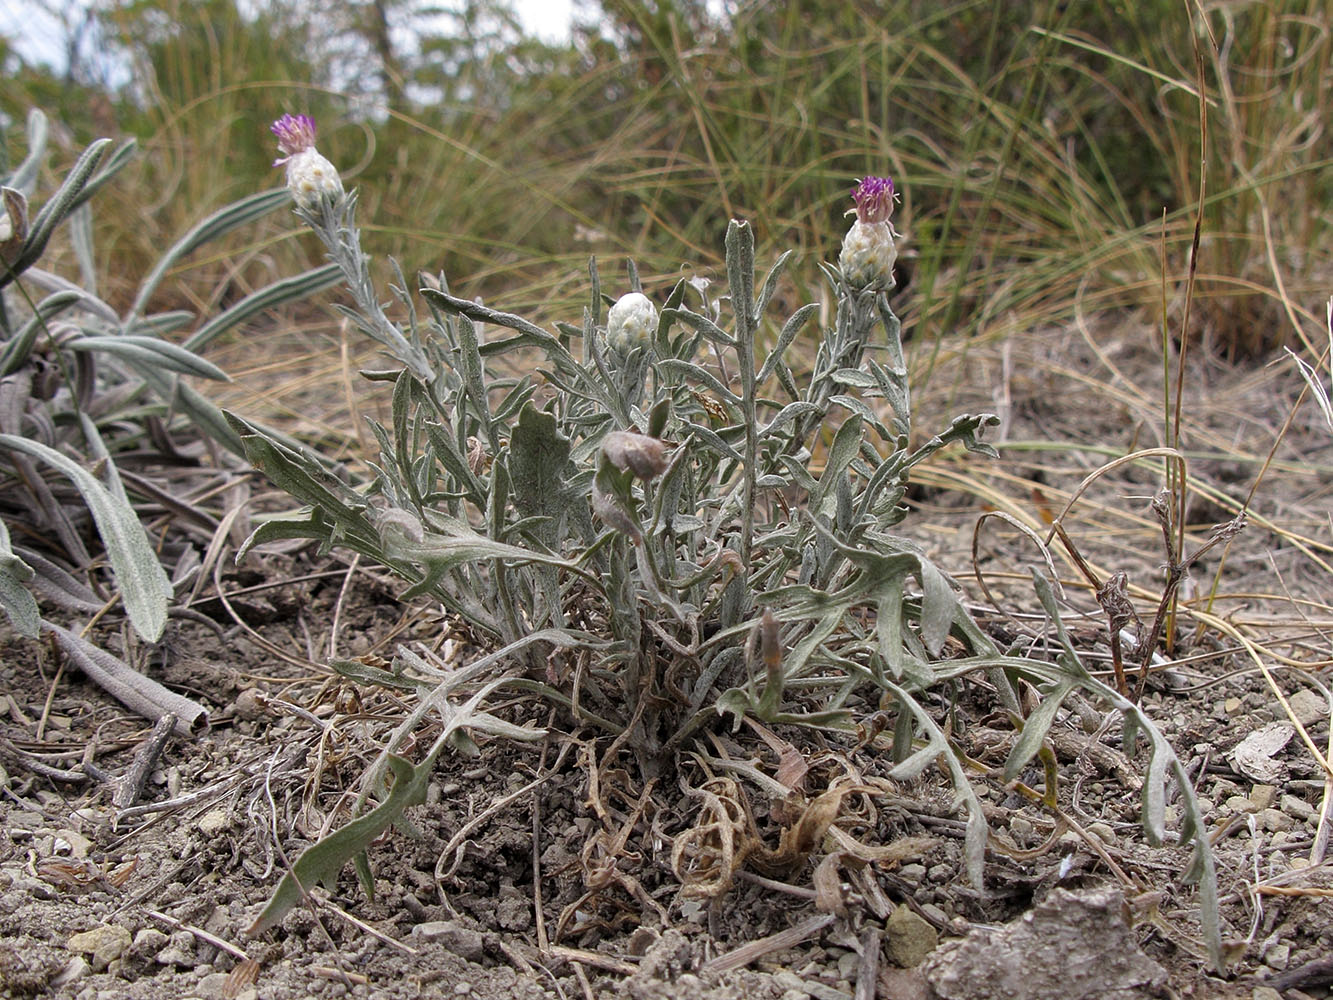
pixel 522 879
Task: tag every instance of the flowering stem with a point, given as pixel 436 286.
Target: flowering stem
pixel 740 274
pixel 335 225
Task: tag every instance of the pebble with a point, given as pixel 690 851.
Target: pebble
pixel 1103 832
pixel 1263 796
pixel 1239 804
pixel 212 987
pixel 1274 819
pixel 1308 707
pixel 1295 806
pixel 105 943
pixel 213 822
pixel 1278 956
pixel 912 873
pixel 1232 706
pixel 76 968
pixel 148 942
pixel 934 914
pixel 176 954
pixel 908 938
pixel 1265 993
pixel 462 941
pixel 942 873
pixel 847 963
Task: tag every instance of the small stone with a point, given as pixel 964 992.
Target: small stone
pixel 912 873
pixel 75 969
pixel 462 989
pixel 942 873
pixel 934 914
pixel 1021 828
pixel 1239 804
pixel 1206 806
pixel 174 954
pixel 1262 796
pixel 1274 819
pixel 1278 956
pixel 1103 832
pixel 462 941
pixel 1308 707
pixel 1232 706
pixel 1297 807
pixel 908 938
pixel 250 704
pixel 104 942
pixel 213 822
pixel 212 987
pixel 148 942
pixel 847 963
pixel 1265 993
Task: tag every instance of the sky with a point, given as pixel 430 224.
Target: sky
pixel 39 36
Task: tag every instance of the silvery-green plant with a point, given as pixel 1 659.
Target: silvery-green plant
pixel 664 526
pixel 81 384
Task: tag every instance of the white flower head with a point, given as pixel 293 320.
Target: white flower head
pixel 869 250
pixel 631 323
pixel 310 177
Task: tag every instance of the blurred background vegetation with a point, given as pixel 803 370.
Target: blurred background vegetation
pixel 1052 156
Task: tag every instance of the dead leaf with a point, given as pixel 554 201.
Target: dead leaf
pixel 1254 755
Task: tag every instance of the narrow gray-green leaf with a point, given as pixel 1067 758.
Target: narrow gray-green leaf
pixel 1154 796
pixel 24 178
pixel 15 598
pixel 65 200
pixel 143 583
pixel 1035 728
pixel 19 347
pixel 939 605
pixel 152 352
pixel 700 374
pixel 287 290
pixel 795 323
pixel 705 326
pixel 218 224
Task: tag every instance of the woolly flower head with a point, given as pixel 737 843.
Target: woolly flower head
pixel 869 250
pixel 310 176
pixel 631 323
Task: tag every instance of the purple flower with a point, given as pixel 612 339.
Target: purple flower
pixel 869 248
pixel 874 199
pixel 310 177
pixel 296 134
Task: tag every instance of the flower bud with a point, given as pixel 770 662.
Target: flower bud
pixel 13 223
pixel 642 455
pixel 869 250
pixel 310 177
pixel 631 323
